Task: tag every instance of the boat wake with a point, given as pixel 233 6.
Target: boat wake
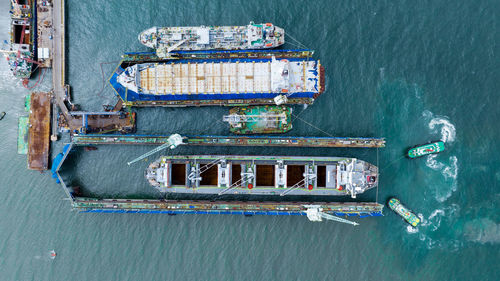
pixel 448 132
pixel 447 168
pixel 448 171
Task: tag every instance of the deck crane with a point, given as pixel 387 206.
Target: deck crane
pixel 245 178
pixel 314 213
pixel 172 142
pixel 165 52
pixel 195 174
pixel 309 176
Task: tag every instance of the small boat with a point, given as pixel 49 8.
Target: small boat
pixel 266 119
pixel 90 148
pixel 401 210
pixel 2 115
pixel 422 150
pixel 53 254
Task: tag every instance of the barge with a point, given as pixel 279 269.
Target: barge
pixel 252 36
pixel 267 119
pixel 262 175
pixel 226 82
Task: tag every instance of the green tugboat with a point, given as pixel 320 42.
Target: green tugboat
pixel 422 150
pixel 268 119
pixel 401 210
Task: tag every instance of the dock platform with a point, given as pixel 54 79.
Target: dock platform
pixel 248 208
pixel 232 141
pixel 39 131
pixel 44 32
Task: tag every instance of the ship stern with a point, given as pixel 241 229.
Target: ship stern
pixel 149 37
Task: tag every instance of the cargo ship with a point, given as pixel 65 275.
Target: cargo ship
pixel 193 38
pixel 232 82
pixel 21 54
pixel 267 119
pixel 262 175
pixel 401 210
pixel 426 149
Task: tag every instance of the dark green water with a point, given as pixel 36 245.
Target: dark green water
pixel 410 71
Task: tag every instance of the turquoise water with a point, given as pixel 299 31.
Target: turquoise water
pixel 410 71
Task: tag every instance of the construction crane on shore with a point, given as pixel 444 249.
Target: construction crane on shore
pixel 172 142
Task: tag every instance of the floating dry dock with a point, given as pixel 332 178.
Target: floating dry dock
pixel 91 205
pixel 231 141
pixel 152 206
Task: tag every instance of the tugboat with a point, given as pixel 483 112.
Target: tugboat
pixel 401 210
pixel 268 119
pixel 422 150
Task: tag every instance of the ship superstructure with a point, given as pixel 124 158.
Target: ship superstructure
pixel 262 175
pixel 192 38
pixel 220 82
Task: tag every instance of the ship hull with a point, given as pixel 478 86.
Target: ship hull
pixel 262 175
pixel 231 82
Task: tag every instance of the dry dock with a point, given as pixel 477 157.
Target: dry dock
pixel 39 132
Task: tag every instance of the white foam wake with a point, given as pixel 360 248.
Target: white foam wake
pixel 448 132
pixel 449 173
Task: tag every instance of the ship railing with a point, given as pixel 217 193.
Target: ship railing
pixel 237 183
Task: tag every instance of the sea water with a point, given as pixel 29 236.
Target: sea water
pixel 409 71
